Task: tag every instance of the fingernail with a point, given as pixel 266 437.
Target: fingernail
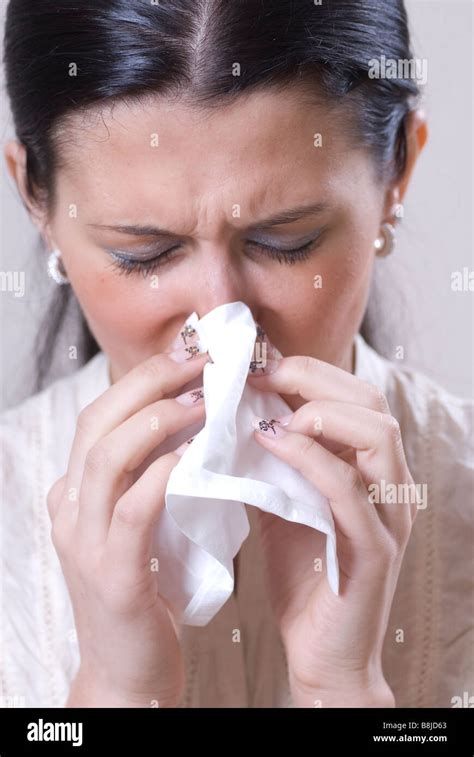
pixel 186 335
pixel 183 447
pixel 284 420
pixel 193 397
pixel 264 367
pixel 269 428
pixel 262 339
pixel 186 353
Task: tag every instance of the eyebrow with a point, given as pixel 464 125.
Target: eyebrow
pixel 285 216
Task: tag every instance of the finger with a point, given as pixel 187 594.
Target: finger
pixel 335 479
pixel 110 464
pixel 146 383
pixel 314 379
pixel 54 497
pixel 377 441
pixel 136 514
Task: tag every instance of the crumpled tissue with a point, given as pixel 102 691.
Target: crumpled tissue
pixel 204 522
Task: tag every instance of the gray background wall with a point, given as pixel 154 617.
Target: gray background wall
pixel 420 311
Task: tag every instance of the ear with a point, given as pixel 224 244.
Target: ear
pixel 416 130
pixel 15 159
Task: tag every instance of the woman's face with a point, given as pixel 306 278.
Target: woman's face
pixel 208 186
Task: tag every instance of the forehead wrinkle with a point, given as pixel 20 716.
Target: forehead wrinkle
pixel 282 217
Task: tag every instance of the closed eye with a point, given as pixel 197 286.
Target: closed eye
pixel 284 255
pixel 129 265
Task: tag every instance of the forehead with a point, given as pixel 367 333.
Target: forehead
pixel 261 150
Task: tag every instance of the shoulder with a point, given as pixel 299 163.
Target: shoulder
pixel 79 387
pixel 72 392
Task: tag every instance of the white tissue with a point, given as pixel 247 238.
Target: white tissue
pixel 205 522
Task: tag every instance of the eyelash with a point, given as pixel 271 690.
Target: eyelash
pixel 147 267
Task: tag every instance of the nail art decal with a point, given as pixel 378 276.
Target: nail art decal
pixel 268 428
pixel 193 350
pixel 197 394
pixel 191 398
pixel 270 366
pixel 265 425
pixel 188 333
pixel 184 354
pixel 254 366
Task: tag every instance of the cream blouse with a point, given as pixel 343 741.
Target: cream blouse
pixel 427 665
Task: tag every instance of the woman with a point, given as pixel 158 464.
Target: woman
pixel 215 152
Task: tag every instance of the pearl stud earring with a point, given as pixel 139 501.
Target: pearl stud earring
pixel 385 244
pixel 56 269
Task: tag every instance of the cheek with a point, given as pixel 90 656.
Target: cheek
pixel 344 297
pixel 127 314
pixel 327 303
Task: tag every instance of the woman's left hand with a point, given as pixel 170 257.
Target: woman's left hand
pixel 343 440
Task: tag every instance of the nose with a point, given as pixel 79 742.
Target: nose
pixel 222 281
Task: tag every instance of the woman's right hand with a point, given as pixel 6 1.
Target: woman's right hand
pixel 103 513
